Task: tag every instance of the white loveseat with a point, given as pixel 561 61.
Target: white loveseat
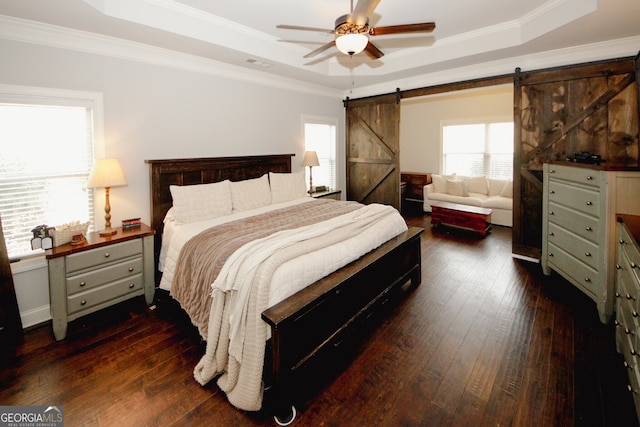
pixel 495 194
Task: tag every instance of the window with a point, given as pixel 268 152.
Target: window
pixel 46 155
pixel 320 136
pixel 478 149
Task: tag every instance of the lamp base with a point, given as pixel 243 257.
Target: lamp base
pixel 107 232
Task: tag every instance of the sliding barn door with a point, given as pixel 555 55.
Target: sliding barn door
pixel 373 150
pixel 591 107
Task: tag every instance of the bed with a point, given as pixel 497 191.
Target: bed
pixel 315 319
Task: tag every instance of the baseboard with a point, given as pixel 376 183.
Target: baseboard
pixel 35 316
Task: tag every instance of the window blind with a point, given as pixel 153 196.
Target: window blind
pixel 45 161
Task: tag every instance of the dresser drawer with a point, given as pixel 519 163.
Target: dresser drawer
pixel 585 250
pixel 581 199
pixel 103 255
pixel 581 273
pixel 576 174
pixel 94 278
pixel 85 300
pixel 581 224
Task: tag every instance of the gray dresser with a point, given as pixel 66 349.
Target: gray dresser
pixel 98 273
pixel 628 301
pixel 579 209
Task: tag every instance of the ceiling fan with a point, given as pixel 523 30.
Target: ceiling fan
pixel 352 31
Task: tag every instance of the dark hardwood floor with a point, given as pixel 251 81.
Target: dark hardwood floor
pixel 484 340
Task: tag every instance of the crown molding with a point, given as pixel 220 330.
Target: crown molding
pixel 619 48
pixel 26 31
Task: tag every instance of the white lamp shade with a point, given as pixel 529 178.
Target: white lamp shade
pixel 351 43
pixel 310 159
pixel 107 173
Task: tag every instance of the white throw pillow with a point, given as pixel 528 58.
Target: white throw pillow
pixel 192 203
pixel 287 186
pixel 507 190
pixel 457 188
pixel 250 193
pixel 496 186
pixel 440 182
pixel 477 184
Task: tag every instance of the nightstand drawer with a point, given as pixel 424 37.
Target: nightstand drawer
pixel 580 175
pixel 581 224
pixel 582 199
pixel 585 250
pixel 95 278
pixel 102 255
pixel 85 300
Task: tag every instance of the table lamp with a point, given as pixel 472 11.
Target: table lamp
pixel 310 159
pixel 107 173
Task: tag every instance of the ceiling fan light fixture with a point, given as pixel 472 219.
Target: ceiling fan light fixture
pixel 351 43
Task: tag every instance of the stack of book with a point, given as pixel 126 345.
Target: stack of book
pixel 128 224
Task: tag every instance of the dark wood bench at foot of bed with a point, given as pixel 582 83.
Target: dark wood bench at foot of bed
pixel 319 316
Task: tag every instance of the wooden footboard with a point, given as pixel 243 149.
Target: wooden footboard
pixel 320 316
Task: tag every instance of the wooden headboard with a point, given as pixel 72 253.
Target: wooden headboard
pixel 203 171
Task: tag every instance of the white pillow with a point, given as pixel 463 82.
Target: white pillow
pixel 250 193
pixel 192 203
pixel 457 188
pixel 507 191
pixel 496 186
pixel 440 182
pixel 287 186
pixel 477 184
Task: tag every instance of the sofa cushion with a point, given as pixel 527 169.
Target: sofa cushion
pixel 469 200
pixel 457 188
pixel 498 202
pixel 507 190
pixel 477 184
pixel 440 182
pixel 496 186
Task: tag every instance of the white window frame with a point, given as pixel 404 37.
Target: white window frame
pixel 468 121
pixel 330 121
pixel 29 95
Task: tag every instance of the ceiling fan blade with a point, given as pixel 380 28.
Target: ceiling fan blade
pixel 297 27
pixel 372 51
pixel 425 27
pixel 320 49
pixel 363 10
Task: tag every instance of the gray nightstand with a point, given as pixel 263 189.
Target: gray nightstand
pixel 98 273
pixel 333 194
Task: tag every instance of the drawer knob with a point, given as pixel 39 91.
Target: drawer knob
pixel 618 267
pixel 635 313
pixel 588 280
pixel 552 192
pixel 130 269
pixel 617 296
pixel 107 255
pixel 83 284
pixel 83 302
pixel 552 171
pixel 633 352
pixel 629 297
pixel 589 178
pixel 551 234
pixel 628 332
pixel 131 285
pixel 550 254
pixel 589 203
pixel 634 265
pixel 551 213
pixel 587 254
pixel 631 389
pixel 588 228
pixel 626 365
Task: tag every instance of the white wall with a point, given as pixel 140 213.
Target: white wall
pixel 420 119
pixel 157 112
